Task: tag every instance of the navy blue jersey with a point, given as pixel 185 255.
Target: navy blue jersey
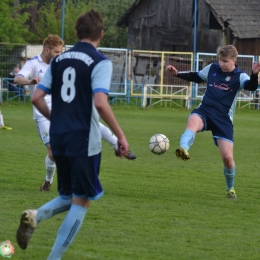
pixel 222 88
pixel 72 79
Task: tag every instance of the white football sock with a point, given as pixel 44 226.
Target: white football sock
pixel 1 119
pixel 50 169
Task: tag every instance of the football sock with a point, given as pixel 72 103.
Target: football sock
pixel 53 207
pixel 68 230
pixel 1 119
pixel 187 139
pixel 108 136
pixel 50 169
pixel 230 177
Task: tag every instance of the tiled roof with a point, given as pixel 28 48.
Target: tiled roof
pixel 241 16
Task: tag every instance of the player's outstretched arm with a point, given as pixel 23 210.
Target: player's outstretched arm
pixel 186 75
pixel 256 67
pixel 252 83
pixel 23 81
pixel 172 70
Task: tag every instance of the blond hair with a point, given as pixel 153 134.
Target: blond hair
pixel 228 51
pixel 52 41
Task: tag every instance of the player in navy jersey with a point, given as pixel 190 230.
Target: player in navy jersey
pixel 217 108
pixel 31 74
pixel 79 81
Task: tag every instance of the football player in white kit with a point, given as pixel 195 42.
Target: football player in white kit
pixel 31 74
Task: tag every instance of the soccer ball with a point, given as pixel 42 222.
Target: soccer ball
pixel 159 144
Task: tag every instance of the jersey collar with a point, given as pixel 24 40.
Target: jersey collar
pixel 85 44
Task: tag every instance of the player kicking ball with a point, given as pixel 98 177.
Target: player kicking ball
pixel 216 110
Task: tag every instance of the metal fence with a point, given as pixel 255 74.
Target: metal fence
pixel 152 83
pixel 119 78
pixel 139 77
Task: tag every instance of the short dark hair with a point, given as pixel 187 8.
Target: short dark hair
pixel 89 25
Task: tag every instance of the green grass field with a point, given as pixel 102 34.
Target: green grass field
pixel 154 208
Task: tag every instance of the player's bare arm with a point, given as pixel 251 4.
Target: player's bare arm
pixel 23 81
pixel 40 103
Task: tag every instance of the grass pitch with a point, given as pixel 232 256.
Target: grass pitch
pixel 154 208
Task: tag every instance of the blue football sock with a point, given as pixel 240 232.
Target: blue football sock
pixel 53 207
pixel 230 177
pixel 187 139
pixel 68 230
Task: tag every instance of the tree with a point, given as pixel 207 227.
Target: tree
pixel 49 20
pixel 72 10
pixel 114 37
pixel 13 21
pixel 31 22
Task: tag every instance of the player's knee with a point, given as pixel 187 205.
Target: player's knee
pixel 83 202
pixel 228 162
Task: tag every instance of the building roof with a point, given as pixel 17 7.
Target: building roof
pixel 241 16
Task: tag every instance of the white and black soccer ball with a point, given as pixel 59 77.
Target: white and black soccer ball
pixel 159 144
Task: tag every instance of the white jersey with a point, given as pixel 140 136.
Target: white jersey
pixel 35 67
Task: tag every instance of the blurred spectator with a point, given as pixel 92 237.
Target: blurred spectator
pixel 17 89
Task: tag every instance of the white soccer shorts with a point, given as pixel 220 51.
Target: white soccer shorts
pixel 43 128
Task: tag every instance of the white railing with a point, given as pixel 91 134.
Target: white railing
pixel 164 93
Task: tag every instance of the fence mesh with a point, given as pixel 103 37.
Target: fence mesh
pixel 136 73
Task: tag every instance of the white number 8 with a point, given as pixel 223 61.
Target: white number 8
pixel 68 90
